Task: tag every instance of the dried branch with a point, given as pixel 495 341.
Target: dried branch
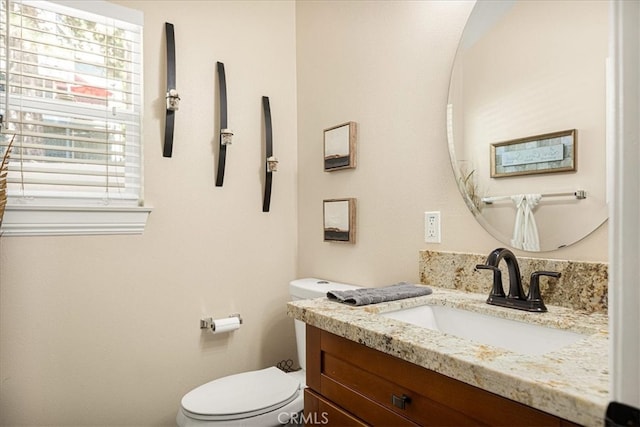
pixel 4 170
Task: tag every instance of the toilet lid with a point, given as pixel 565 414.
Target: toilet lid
pixel 242 395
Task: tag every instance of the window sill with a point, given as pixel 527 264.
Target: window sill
pixel 73 221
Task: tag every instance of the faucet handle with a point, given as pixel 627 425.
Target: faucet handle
pixel 487 267
pixel 497 289
pixel 534 284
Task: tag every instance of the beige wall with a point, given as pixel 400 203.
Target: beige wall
pixel 386 66
pixel 123 347
pixel 105 330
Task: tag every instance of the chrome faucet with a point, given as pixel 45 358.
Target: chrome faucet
pixel 516 297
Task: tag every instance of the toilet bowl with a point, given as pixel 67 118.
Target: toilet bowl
pixel 261 398
pixel 266 397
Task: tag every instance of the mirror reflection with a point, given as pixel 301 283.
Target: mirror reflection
pixel 526 74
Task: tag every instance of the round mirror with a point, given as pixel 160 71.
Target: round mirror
pixel 526 120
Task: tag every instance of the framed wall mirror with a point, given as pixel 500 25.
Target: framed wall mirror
pixel 527 68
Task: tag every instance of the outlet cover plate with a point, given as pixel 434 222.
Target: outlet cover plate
pixel 432 232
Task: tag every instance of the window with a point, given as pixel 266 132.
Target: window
pixel 71 92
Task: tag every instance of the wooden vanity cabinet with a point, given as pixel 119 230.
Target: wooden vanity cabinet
pixel 350 384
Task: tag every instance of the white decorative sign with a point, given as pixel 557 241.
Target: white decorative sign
pixel 533 155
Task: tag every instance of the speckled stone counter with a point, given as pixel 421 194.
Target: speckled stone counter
pixel 571 383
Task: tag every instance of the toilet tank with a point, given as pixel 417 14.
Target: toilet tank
pixel 306 289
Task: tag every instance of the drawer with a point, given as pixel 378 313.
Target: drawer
pixel 383 401
pixel 320 411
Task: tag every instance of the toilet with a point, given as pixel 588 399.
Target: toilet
pixel 265 397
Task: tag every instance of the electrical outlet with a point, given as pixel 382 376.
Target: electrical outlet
pixel 432 227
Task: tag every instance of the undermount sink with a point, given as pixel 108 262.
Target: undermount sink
pixel 519 337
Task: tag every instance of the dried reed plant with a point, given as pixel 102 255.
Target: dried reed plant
pixel 4 170
pixel 470 186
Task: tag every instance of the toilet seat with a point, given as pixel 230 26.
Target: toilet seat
pixel 243 395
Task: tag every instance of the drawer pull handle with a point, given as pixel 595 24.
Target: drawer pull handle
pixel 400 402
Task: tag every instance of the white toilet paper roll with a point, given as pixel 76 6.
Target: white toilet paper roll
pixel 227 324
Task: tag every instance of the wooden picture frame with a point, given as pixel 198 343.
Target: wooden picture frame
pixel 340 147
pixel 548 153
pixel 339 220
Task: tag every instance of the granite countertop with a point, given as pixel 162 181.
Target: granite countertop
pixel 572 383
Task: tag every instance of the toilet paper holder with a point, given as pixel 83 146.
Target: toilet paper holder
pixel 210 322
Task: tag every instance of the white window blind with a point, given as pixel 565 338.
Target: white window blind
pixel 71 92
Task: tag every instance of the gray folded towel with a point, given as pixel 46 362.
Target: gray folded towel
pixel 365 296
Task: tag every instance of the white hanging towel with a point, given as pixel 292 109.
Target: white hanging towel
pixel 525 231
